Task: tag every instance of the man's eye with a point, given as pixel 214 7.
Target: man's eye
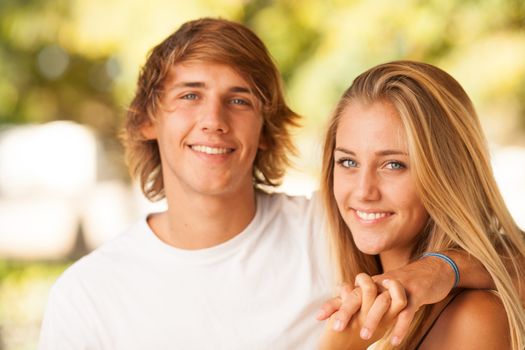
pixel 189 97
pixel 239 101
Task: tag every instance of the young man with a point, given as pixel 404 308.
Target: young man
pixel 227 266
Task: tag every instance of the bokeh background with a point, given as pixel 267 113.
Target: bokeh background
pixel 67 73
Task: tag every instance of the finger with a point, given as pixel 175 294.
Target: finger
pixel 375 315
pixel 350 304
pixel 378 280
pixel 347 292
pixel 402 325
pixel 328 308
pixel 368 290
pixel 397 294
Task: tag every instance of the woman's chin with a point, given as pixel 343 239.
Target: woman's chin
pixel 367 249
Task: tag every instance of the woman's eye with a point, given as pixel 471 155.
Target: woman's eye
pixel 347 163
pixel 189 97
pixel 395 165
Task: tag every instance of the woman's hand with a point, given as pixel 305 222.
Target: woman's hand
pixel 426 281
pixel 365 313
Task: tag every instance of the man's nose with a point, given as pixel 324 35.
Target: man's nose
pixel 214 117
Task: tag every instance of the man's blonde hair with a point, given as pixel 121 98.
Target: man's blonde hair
pixel 216 41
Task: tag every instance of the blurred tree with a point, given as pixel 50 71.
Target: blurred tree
pixel 481 43
pixel 79 59
pixel 44 79
pixel 291 29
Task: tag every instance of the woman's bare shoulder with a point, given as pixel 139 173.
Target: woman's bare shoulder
pixel 475 319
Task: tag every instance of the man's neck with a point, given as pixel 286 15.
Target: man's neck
pixel 203 221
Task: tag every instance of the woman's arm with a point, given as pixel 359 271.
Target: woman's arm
pixel 349 339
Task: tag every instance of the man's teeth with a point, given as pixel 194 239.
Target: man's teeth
pixel 370 216
pixel 210 150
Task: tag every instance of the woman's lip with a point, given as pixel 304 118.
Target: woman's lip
pixel 370 216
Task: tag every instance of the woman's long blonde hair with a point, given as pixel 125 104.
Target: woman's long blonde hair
pixel 449 156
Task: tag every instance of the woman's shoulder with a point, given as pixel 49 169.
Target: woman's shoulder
pixel 475 319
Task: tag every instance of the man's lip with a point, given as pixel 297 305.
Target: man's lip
pixel 212 149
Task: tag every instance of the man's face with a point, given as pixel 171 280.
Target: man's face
pixel 208 130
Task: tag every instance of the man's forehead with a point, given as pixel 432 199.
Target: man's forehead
pixel 202 71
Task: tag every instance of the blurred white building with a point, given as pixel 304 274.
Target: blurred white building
pixel 509 169
pixel 50 199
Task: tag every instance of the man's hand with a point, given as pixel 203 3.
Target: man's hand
pixel 424 281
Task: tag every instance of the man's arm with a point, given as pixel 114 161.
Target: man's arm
pixel 426 281
pixel 473 274
pixel 430 279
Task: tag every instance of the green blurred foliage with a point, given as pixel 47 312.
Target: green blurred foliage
pixel 79 59
pixel 24 288
pixel 43 79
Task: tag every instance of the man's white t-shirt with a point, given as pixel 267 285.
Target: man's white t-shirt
pixel 259 290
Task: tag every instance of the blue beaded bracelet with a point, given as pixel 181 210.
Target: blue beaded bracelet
pixel 449 261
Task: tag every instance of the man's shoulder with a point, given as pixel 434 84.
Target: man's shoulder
pixel 283 201
pixel 299 215
pixel 104 259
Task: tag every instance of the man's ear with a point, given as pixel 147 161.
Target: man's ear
pixel 148 130
pixel 263 145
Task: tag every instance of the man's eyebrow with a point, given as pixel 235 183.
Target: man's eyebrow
pixel 201 85
pixel 194 84
pixel 241 89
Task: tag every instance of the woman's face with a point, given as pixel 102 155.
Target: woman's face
pixel 374 185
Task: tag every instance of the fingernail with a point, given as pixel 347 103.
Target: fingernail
pixel 321 314
pixel 365 333
pixel 385 282
pixel 338 325
pixel 396 341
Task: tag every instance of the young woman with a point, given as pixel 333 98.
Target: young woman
pixel 406 171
